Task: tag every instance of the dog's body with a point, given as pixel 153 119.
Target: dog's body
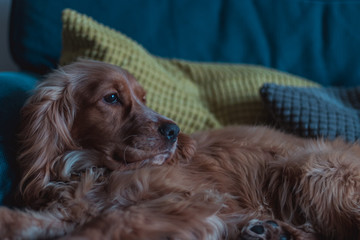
pixel 99 164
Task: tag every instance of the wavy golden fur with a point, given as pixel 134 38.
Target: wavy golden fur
pixel 98 164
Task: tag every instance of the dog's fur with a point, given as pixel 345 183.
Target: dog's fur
pixel 98 164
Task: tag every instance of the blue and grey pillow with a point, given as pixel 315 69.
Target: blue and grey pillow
pixel 314 112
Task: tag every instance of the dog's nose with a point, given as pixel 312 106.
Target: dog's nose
pixel 170 131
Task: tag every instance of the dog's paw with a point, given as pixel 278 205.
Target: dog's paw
pixel 264 230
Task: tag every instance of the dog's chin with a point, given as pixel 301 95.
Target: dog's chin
pixel 140 158
pixel 161 158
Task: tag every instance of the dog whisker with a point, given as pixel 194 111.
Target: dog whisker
pixel 126 138
pixel 124 155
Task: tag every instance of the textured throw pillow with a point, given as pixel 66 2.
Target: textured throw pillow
pixel 314 112
pixel 197 96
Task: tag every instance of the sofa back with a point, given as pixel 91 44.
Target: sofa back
pixel 315 39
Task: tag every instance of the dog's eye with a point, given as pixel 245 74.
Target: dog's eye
pixel 112 98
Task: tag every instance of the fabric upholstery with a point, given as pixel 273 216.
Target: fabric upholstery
pixel 317 40
pixel 14 90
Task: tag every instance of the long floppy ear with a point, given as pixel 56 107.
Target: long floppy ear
pixel 47 119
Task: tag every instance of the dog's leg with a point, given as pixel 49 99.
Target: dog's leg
pixel 16 224
pixel 319 184
pixel 167 217
pixel 131 226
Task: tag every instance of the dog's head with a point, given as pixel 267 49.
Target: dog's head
pixel 112 117
pixel 97 111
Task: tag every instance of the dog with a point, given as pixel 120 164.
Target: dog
pixel 97 163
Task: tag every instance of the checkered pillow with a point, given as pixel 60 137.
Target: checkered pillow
pixel 315 112
pixel 197 96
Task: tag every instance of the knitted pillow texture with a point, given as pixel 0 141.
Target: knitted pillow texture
pixel 197 96
pixel 315 112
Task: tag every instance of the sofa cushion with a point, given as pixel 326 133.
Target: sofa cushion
pixel 14 89
pixel 197 96
pixel 315 112
pixel 317 40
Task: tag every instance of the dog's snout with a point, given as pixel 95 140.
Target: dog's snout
pixel 170 131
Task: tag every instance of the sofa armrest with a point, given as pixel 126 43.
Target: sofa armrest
pixel 15 87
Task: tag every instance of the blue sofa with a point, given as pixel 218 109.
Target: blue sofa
pixel 314 39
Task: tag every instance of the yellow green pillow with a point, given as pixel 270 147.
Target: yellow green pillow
pixel 197 96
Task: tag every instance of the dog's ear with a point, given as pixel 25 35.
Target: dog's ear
pixel 186 147
pixel 47 119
